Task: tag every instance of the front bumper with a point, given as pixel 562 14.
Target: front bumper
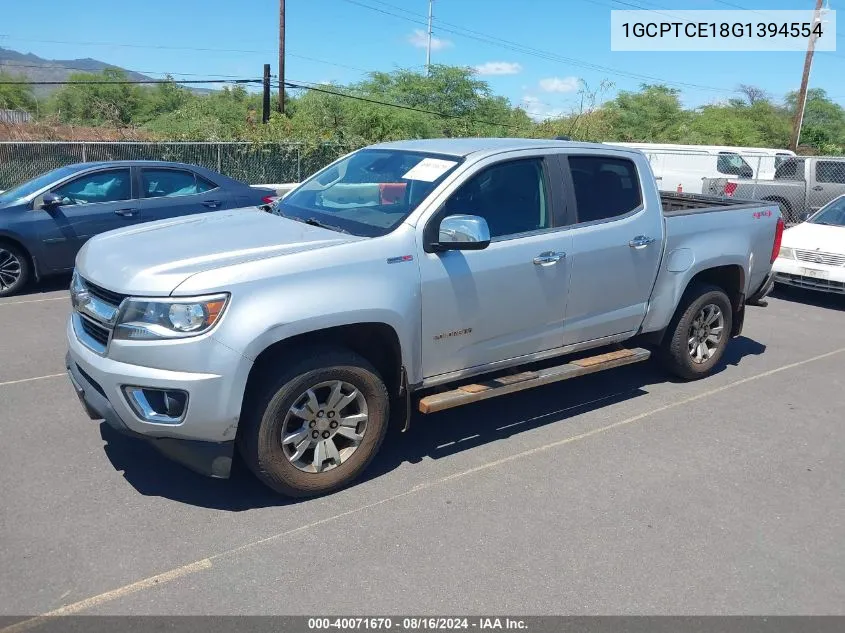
pixel 203 439
pixel 810 275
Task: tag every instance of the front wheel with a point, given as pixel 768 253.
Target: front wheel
pixel 317 425
pixel 14 269
pixel 699 332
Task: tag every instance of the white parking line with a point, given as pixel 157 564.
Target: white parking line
pixel 206 563
pixel 17 303
pixel 17 382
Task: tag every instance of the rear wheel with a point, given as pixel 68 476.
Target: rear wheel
pixel 316 426
pixel 14 269
pixel 699 332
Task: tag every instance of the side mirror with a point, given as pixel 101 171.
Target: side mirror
pixel 51 201
pixel 804 216
pixel 463 233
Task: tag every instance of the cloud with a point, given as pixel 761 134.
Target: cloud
pixel 539 110
pixel 556 84
pixel 499 68
pixel 419 38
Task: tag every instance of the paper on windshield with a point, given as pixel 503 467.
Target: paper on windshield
pixel 429 169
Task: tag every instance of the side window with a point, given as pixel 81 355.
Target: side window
pixel 112 185
pixel 733 164
pixel 510 196
pixel 605 187
pixel 830 171
pixel 204 185
pixel 167 183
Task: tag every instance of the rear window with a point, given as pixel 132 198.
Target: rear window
pixel 790 169
pixel 605 187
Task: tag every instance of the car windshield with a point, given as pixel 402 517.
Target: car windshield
pixel 833 214
pixel 368 193
pixel 37 183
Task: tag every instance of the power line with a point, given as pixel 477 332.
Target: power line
pixel 199 49
pixel 8 64
pixel 312 87
pixel 527 50
pixel 128 81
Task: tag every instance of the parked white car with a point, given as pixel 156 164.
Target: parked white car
pixel 812 254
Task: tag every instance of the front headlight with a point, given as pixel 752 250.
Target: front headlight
pixel 154 319
pixel 786 253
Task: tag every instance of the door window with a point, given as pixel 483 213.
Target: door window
pixel 732 164
pixel 168 183
pixel 604 187
pixel 112 185
pixel 830 171
pixel 510 196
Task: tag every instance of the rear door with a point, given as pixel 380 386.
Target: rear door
pixel 828 182
pixel 616 246
pixel 173 192
pixel 93 203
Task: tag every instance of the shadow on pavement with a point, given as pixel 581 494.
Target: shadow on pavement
pixel 829 300
pixel 47 284
pixel 433 436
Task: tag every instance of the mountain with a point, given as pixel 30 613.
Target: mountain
pixel 36 68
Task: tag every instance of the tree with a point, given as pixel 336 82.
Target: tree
pixel 824 120
pixel 16 96
pixel 654 114
pixel 88 101
pixel 752 94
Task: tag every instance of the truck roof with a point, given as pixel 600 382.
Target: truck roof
pixel 462 147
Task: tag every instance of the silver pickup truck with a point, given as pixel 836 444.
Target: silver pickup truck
pixel 801 186
pixel 417 275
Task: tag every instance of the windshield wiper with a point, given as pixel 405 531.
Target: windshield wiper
pixel 323 225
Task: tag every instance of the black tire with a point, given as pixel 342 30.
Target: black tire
pixel 259 438
pixel 675 352
pixel 785 209
pixel 14 262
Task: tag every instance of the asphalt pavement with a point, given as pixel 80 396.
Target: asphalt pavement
pixel 622 492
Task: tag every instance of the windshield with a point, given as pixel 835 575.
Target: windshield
pixel 833 214
pixel 369 192
pixel 31 186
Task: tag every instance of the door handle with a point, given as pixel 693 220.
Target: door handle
pixel 818 188
pixel 641 241
pixel 548 258
pixel 127 213
pixel 211 203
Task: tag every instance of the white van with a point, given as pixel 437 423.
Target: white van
pixel 684 166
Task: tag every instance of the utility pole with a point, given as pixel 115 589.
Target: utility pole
pixel 265 101
pixel 805 79
pixel 282 56
pixel 428 48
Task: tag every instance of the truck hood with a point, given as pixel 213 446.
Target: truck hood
pixel 811 237
pixel 153 259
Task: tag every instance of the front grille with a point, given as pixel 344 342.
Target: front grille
pixel 114 298
pixel 811 282
pixel 831 259
pixel 96 331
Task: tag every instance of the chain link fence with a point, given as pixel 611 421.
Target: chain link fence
pixel 799 185
pixel 252 163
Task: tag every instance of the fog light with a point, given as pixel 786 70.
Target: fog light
pixel 162 406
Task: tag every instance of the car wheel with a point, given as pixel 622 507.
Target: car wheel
pixel 698 333
pixel 14 269
pixel 317 425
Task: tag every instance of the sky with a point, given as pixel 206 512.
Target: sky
pixel 341 40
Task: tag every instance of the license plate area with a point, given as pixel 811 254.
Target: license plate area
pixel 815 273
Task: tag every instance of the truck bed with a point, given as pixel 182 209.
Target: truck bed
pixel 688 203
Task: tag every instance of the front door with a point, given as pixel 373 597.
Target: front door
pixel 508 300
pixel 93 203
pixel 171 193
pixel 616 249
